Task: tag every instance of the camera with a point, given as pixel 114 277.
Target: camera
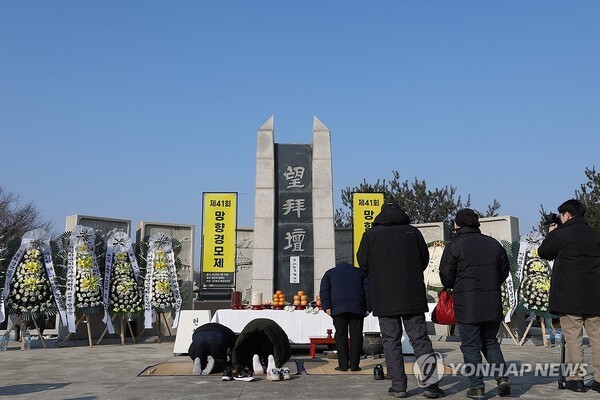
pixel 551 218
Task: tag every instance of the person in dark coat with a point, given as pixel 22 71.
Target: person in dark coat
pixel 211 341
pixel 475 266
pixel 574 287
pixel 346 297
pixel 262 337
pixel 394 255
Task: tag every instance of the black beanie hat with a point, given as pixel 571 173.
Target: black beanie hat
pixel 467 217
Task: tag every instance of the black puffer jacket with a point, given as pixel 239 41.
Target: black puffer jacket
pixel 575 286
pixel 475 266
pixel 394 255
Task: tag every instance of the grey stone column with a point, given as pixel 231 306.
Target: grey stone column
pixel 324 242
pixel 263 257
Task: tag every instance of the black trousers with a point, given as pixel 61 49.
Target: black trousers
pixel 344 323
pixel 477 340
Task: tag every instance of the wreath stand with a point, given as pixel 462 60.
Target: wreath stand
pixel 543 326
pixel 514 339
pixel 23 322
pixel 84 319
pixel 122 331
pixel 159 315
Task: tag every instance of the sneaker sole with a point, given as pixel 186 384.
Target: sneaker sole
pixel 399 395
pixel 249 379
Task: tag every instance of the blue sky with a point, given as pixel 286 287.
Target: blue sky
pixel 133 109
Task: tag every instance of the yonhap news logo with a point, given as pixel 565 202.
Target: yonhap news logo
pixel 430 368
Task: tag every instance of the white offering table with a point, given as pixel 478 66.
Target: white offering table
pixel 299 325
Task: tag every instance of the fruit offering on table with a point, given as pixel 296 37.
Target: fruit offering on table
pixel 300 300
pixel 278 299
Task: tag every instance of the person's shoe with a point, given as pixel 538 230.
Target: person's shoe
pixel 227 374
pixel 378 373
pixel 575 386
pixel 433 391
pixel 341 369
pixel 243 375
pixel 356 369
pixel 503 387
pixel 274 375
pixel 271 362
pixel 595 386
pixel 257 366
pixel 197 369
pixel 476 393
pixel 397 393
pixel 286 373
pixel 210 364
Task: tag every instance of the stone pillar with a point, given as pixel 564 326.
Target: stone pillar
pixel 263 257
pixel 324 238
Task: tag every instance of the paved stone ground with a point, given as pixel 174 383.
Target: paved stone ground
pixel 110 371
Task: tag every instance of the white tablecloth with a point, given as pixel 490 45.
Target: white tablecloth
pixel 299 326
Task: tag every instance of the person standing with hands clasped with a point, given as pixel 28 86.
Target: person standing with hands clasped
pixel 475 266
pixel 574 286
pixel 394 255
pixel 346 297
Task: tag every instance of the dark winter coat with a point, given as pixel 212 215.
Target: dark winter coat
pixel 475 266
pixel 394 255
pixel 261 336
pixel 345 289
pixel 211 339
pixel 575 284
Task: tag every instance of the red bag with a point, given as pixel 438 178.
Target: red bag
pixel 443 313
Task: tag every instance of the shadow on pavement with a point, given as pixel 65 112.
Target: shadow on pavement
pixel 13 390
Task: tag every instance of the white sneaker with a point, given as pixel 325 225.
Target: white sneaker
pixel 257 366
pixel 286 373
pixel 274 375
pixel 209 366
pixel 197 369
pixel 271 363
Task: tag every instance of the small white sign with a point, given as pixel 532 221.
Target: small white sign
pixel 189 320
pixel 295 269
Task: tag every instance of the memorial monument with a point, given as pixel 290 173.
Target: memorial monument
pixel 293 212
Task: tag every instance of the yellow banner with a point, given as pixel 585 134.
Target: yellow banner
pixel 218 232
pixel 365 207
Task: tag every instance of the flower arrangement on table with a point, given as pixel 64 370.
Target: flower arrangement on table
pixel 30 288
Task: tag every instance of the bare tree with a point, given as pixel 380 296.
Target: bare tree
pixel 17 218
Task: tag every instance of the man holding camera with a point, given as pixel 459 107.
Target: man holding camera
pixel 575 248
